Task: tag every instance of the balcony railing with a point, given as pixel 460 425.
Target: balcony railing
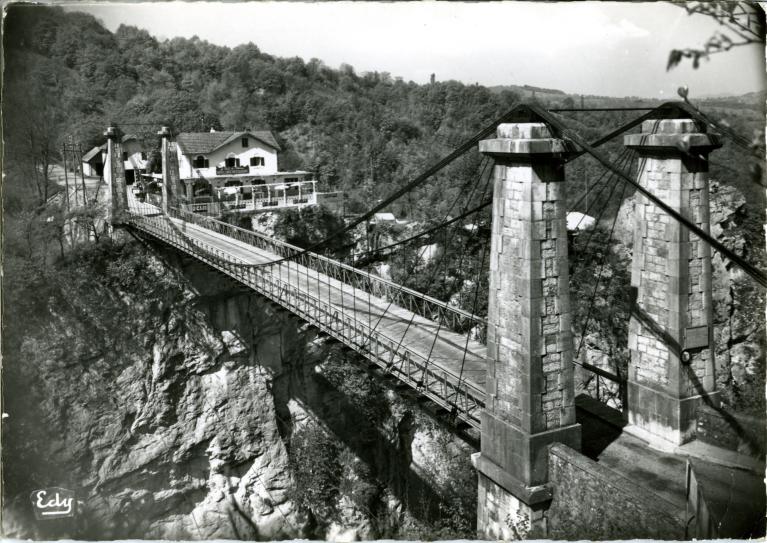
pixel 232 170
pixel 250 204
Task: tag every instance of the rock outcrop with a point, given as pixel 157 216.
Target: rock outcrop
pixel 174 403
pixel 739 324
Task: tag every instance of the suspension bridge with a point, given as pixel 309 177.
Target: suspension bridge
pixel 509 374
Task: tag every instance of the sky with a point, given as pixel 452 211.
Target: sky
pixel 610 49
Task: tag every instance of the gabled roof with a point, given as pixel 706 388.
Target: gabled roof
pixel 128 137
pixel 204 143
pixel 90 155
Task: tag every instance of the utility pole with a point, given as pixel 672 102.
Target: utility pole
pixel 82 173
pixel 72 154
pixel 66 177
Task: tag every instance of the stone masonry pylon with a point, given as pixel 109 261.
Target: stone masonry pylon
pixel 671 333
pixel 115 174
pixel 170 175
pixel 530 390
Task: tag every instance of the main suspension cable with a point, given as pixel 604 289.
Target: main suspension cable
pixel 751 270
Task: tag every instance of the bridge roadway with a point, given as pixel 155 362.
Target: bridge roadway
pixel 416 350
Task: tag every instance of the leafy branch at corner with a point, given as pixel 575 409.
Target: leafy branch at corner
pixel 744 24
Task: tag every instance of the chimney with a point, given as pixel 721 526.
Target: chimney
pixel 433 78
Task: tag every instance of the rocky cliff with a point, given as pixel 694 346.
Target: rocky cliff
pixel 178 406
pixel 739 324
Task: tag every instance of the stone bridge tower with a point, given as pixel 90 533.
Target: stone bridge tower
pixel 114 173
pixel 671 333
pixel 171 190
pixel 530 389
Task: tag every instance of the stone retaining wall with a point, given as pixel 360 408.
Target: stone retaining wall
pixel 594 502
pixel 739 433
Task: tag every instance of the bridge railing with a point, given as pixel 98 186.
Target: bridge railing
pixel 463 399
pixel 436 310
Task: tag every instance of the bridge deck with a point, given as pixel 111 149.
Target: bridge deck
pixel 450 356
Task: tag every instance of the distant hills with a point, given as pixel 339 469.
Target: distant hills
pixel 551 97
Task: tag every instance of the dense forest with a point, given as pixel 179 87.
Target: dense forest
pixel 67 78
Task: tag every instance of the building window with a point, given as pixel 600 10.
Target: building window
pixel 200 162
pixel 245 143
pixel 125 155
pixel 256 161
pixel 143 155
pixel 231 161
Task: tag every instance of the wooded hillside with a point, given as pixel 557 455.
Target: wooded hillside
pixel 364 133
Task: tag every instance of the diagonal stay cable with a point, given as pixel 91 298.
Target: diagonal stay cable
pixel 441 320
pixel 585 193
pixel 756 274
pixel 607 183
pixel 480 269
pixel 402 286
pixel 434 271
pixel 696 112
pixel 466 146
pixel 603 208
pixel 420 179
pixel 454 220
pixel 599 273
pixel 444 162
pixel 445 222
pixel 475 231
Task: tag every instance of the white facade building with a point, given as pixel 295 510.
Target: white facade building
pixel 134 159
pixel 211 154
pixel 238 172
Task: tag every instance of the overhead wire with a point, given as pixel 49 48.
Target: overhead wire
pixel 450 209
pixel 757 275
pixel 467 145
pixel 602 261
pixel 603 207
pixel 439 327
pixel 575 109
pixel 593 202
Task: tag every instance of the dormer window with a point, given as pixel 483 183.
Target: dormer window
pixel 244 143
pixel 256 161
